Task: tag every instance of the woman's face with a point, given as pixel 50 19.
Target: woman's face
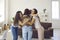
pixel 32 11
pixel 20 15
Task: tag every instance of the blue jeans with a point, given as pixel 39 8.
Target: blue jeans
pixel 15 32
pixel 27 32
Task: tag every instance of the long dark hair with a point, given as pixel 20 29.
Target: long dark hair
pixel 17 17
pixel 35 11
pixel 27 12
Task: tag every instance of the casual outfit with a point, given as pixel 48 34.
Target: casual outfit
pixel 39 28
pixel 14 29
pixel 27 32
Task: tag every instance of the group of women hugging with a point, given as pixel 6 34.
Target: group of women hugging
pixel 25 21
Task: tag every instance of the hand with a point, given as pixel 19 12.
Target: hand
pixel 24 16
pixel 26 20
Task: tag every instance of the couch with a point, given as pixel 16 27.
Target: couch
pixel 48 31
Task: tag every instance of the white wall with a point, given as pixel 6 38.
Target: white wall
pixel 56 34
pixel 15 5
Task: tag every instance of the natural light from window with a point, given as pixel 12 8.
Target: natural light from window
pixel 55 9
pixel 1 10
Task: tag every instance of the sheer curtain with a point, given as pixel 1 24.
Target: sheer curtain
pixel 1 10
pixel 55 9
pixel 55 14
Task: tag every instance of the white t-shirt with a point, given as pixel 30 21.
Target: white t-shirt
pixel 14 25
pixel 37 22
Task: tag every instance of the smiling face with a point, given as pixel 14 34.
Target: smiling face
pixel 21 14
pixel 32 12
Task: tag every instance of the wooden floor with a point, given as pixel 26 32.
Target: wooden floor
pixel 33 39
pixel 19 38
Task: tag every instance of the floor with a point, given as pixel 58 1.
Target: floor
pixel 19 38
pixel 35 39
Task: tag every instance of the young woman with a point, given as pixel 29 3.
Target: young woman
pixel 15 25
pixel 27 28
pixel 38 26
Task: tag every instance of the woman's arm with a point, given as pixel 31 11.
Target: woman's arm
pixel 24 22
pixel 31 22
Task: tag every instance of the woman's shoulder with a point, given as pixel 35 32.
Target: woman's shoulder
pixel 24 16
pixel 34 16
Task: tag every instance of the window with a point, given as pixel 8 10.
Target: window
pixel 1 10
pixel 55 9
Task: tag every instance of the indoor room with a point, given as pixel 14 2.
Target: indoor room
pixel 29 19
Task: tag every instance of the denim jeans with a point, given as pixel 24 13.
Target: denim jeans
pixel 27 32
pixel 14 32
